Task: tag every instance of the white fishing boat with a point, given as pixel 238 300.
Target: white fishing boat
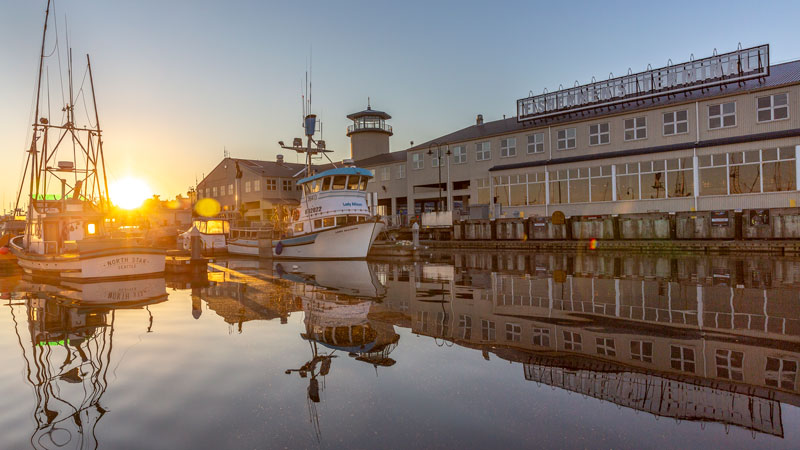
pixel 66 236
pixel 213 234
pixel 334 220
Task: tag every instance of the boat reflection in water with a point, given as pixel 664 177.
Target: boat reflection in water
pixel 67 346
pixel 709 339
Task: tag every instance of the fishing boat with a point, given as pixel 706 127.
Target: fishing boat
pixel 67 235
pixel 334 220
pixel 214 234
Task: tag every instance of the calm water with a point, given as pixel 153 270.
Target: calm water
pixel 463 350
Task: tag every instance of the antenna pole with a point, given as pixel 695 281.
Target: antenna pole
pixel 99 138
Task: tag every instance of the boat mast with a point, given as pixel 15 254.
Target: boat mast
pixel 32 151
pixel 99 140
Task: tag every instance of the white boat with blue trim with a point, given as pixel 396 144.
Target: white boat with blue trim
pixel 334 220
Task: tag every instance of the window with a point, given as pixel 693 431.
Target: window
pixel 247 186
pixel 353 182
pixel 781 373
pixel 508 147
pixel 535 143
pixel 230 189
pixel 722 115
pixel 779 169
pixel 483 151
pixel 680 179
pixel 271 184
pixel 386 173
pixel 729 364
pixel 541 337
pixel 487 330
pixel 208 192
pixel 483 190
pixel 681 358
pixel 676 122
pixel 327 222
pixel 401 171
pixel 510 190
pixel 578 185
pixel 713 174
pixel 287 185
pixel 214 191
pixel 298 227
pixel 566 139
pixel 256 185
pixel 318 223
pixel 653 179
pixel 642 351
pixel 339 182
pixel 558 187
pixel 417 161
pixel 572 341
pixel 600 184
pixel 635 128
pixel 606 346
pixel 628 181
pixel 465 326
pixel 599 134
pixel 744 172
pixel 326 184
pixel 536 188
pixel 513 332
pixel 773 107
pixel 341 220
pixel 459 154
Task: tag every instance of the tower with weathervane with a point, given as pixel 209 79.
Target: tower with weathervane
pixel 369 133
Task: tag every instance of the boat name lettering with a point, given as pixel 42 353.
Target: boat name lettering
pixel 313 210
pixel 129 261
pixel 352 204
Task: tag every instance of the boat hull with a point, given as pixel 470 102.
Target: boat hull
pixel 244 247
pixel 121 262
pixel 347 242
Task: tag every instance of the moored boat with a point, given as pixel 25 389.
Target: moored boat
pixel 66 234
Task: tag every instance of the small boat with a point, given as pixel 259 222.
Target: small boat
pixel 66 231
pixel 213 234
pixel 334 220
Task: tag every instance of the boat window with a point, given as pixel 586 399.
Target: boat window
pixel 214 227
pixel 363 186
pixel 306 189
pixel 339 181
pixel 326 184
pixel 318 223
pixel 352 219
pixel 327 222
pixel 341 220
pixel 226 227
pixel 298 227
pixel 352 182
pixel 362 218
pixel 200 225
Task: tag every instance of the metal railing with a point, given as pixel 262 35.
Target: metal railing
pixel 369 126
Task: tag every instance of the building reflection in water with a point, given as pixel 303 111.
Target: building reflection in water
pixel 710 339
pixel 67 346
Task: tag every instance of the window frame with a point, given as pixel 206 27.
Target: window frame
pixel 771 108
pixel 540 136
pixel 509 146
pixel 566 139
pixel 417 161
pixel 675 122
pixel 459 154
pixel 722 115
pixel 483 151
pixel 635 129
pixel 600 134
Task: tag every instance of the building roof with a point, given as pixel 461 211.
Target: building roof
pixel 779 75
pixel 369 112
pixel 269 168
pixel 383 158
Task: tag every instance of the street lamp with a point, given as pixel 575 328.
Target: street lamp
pixel 439 166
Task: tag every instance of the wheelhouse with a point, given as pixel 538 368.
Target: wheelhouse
pixel 212 226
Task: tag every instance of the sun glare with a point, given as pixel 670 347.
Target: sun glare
pixel 129 192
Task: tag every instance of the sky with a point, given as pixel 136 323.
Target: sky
pixel 178 81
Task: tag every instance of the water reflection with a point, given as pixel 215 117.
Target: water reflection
pixel 66 336
pixel 693 338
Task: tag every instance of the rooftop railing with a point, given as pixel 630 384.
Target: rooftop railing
pixel 369 126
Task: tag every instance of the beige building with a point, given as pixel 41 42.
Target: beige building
pixel 697 136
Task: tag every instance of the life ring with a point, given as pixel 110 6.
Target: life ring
pixel 296 214
pixel 279 248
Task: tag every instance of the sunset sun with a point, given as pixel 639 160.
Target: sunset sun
pixel 129 192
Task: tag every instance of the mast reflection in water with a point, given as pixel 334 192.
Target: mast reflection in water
pixel 67 347
pixel 465 349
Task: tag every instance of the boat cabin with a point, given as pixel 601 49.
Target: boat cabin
pixel 333 198
pixel 212 226
pixel 57 226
